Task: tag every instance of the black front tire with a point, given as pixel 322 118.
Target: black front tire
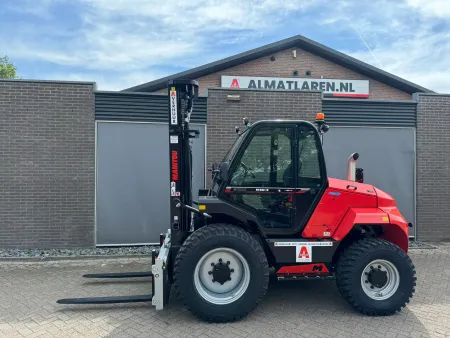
pixel 205 240
pixel 351 266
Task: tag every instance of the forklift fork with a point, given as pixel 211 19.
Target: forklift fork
pixel 119 275
pixel 159 282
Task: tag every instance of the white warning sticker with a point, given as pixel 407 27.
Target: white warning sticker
pixel 303 250
pixel 173 139
pixel 173 189
pixel 303 243
pixel 173 107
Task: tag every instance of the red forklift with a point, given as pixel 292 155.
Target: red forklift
pixel 271 209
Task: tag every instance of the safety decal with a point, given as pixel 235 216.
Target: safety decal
pixel 173 106
pixel 173 189
pixel 173 139
pixel 303 250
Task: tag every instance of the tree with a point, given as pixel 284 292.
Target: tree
pixel 7 69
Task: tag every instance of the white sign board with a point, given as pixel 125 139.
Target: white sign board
pixel 330 87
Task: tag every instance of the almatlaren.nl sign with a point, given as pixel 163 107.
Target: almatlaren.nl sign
pixel 330 87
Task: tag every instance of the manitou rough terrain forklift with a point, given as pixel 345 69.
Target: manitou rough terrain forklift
pixel 271 207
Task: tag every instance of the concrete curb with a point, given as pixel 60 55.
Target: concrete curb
pixel 69 258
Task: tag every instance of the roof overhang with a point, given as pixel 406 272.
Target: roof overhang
pixel 297 41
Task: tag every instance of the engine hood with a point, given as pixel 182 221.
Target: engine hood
pixel 384 200
pixel 350 186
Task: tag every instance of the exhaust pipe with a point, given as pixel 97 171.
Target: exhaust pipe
pixel 351 175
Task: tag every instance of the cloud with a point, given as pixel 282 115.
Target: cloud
pixel 432 8
pixel 107 81
pixel 123 43
pixel 401 38
pixel 135 35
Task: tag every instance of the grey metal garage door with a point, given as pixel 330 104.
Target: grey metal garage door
pixel 387 156
pixel 132 184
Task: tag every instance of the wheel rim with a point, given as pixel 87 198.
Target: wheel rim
pixel 231 290
pixel 380 279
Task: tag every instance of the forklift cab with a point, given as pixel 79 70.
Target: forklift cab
pixel 275 171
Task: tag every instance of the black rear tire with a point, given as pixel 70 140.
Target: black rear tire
pixel 200 243
pixel 351 265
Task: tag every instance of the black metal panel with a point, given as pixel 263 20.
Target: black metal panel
pixel 369 112
pixel 287 251
pixel 141 107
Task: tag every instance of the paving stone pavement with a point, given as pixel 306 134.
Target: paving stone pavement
pixel 28 294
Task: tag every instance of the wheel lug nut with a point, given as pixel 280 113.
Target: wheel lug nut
pixel 232 270
pixel 213 280
pixel 220 260
pixel 371 287
pixel 371 267
pixel 367 281
pixel 210 272
pixel 228 263
pixel 379 266
pixel 212 264
pixel 229 278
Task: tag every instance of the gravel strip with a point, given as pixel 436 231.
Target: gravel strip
pixel 77 252
pixel 113 251
pixel 420 245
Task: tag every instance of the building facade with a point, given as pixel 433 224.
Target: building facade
pixel 104 155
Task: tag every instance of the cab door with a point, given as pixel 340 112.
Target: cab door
pixel 278 175
pixel 312 179
pixel 261 177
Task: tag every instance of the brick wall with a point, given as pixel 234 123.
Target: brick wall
pixel 285 64
pixel 224 115
pixel 47 164
pixel 433 167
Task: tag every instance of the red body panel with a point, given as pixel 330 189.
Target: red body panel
pixel 347 203
pixel 303 269
pixel 397 229
pixel 359 216
pixel 335 203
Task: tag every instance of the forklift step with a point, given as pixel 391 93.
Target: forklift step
pixel 106 300
pixel 119 275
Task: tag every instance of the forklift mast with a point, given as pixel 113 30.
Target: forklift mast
pixel 181 102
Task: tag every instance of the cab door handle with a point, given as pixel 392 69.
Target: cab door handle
pixel 352 187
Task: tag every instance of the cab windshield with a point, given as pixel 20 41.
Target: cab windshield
pixel 234 148
pixel 228 157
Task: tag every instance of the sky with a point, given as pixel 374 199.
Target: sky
pixel 123 43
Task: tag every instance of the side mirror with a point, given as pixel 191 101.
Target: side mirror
pixel 223 171
pixel 325 128
pixel 214 170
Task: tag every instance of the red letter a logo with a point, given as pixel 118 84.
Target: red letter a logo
pixel 234 84
pixel 304 252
